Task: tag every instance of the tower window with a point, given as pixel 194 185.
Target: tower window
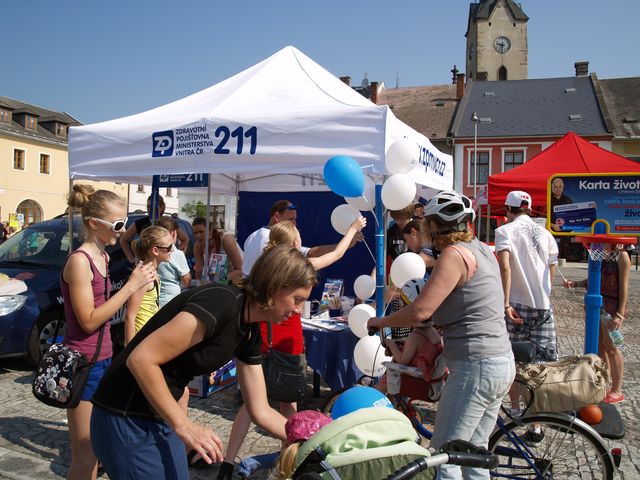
pixel 502 73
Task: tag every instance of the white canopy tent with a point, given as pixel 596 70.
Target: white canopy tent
pixel 284 115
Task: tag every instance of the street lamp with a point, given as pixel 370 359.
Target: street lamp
pixel 474 119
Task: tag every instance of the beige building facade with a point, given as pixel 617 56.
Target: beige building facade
pixel 34 163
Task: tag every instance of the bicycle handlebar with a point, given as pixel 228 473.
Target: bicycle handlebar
pixel 477 460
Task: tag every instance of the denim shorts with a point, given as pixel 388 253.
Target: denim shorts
pixel 95 375
pixel 133 448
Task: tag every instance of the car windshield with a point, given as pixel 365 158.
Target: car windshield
pixel 42 244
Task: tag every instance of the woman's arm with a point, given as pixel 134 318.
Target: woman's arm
pixel 254 393
pixel 184 240
pixel 450 271
pixel 185 280
pixel 125 242
pixel 77 273
pixel 145 361
pixel 199 256
pixel 133 305
pixel 231 248
pixel 624 268
pixel 342 246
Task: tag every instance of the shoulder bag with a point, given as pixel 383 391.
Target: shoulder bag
pixel 567 384
pixel 285 374
pixel 63 372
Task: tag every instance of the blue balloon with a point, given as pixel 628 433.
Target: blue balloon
pixel 356 398
pixel 344 176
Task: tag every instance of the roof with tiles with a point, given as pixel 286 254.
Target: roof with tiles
pixel 42 114
pixel 622 101
pixel 429 110
pixel 538 107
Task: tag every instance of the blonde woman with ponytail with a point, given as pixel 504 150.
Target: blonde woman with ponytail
pixel 88 307
pixel 153 247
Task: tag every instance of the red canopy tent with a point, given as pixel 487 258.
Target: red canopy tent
pixel 570 154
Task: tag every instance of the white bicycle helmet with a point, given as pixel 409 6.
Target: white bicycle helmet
pixel 451 209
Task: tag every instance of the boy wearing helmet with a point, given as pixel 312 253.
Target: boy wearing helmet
pixel 528 257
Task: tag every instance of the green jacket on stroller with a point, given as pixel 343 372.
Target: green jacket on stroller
pixel 370 443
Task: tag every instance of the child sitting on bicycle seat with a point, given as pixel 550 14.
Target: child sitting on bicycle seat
pixel 421 349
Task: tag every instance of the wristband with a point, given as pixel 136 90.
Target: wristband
pixel 507 308
pixel 619 316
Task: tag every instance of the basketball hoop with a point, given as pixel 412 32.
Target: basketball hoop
pixel 596 245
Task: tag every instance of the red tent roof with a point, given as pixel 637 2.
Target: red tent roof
pixel 570 154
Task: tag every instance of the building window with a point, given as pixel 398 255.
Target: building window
pixel 30 122
pixel 502 73
pixel 45 163
pixel 513 160
pixel 5 116
pixel 483 169
pixel 61 130
pixel 140 188
pixel 18 159
pixel 169 192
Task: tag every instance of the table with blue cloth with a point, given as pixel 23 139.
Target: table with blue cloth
pixel 330 355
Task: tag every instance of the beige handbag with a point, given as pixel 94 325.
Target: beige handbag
pixel 568 384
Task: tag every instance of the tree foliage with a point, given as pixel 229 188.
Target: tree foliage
pixel 195 209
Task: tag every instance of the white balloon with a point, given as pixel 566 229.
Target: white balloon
pixel 358 317
pixel 398 191
pixel 367 201
pixel 406 267
pixel 401 157
pixel 364 287
pixel 368 356
pixel 342 217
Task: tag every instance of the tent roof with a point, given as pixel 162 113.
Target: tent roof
pixel 302 114
pixel 570 154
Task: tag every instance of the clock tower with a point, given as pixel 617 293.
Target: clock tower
pixel 496 41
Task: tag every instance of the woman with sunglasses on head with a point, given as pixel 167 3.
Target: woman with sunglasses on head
pixel 88 306
pixel 153 247
pixel 175 274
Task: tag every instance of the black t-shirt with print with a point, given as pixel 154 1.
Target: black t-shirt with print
pixel 221 308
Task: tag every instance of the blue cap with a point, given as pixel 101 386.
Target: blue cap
pixel 356 398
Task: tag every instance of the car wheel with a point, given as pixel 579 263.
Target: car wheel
pixel 42 335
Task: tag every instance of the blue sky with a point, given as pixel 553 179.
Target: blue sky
pixel 99 60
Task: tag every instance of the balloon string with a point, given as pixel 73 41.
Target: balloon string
pixel 370 252
pixel 371 209
pixel 390 300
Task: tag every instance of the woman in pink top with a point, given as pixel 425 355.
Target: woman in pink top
pixel 85 288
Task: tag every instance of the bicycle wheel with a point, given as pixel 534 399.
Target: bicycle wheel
pixel 569 449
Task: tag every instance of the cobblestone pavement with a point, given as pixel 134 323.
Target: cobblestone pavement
pixel 34 441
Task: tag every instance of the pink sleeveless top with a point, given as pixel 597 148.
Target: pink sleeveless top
pixel 76 337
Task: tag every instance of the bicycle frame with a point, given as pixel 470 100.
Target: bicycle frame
pixel 519 448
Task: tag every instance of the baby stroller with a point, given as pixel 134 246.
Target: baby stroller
pixel 369 443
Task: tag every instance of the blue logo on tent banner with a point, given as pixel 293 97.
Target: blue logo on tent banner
pixel 162 144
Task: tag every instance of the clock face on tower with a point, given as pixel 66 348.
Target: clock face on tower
pixel 502 44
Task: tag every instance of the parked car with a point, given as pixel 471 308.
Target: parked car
pixel 31 303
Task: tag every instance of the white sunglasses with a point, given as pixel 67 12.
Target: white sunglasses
pixel 115 226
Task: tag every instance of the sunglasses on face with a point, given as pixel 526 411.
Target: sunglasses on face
pixel 292 206
pixel 168 249
pixel 115 226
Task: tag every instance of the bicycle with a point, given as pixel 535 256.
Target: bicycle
pixel 566 448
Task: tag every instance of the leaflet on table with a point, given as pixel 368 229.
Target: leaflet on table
pixel 332 293
pixel 325 324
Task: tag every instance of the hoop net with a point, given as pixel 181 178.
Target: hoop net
pixel 604 248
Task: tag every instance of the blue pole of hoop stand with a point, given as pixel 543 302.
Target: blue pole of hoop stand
pixel 593 300
pixel 379 212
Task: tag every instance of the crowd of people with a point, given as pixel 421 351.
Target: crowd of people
pixel 133 416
